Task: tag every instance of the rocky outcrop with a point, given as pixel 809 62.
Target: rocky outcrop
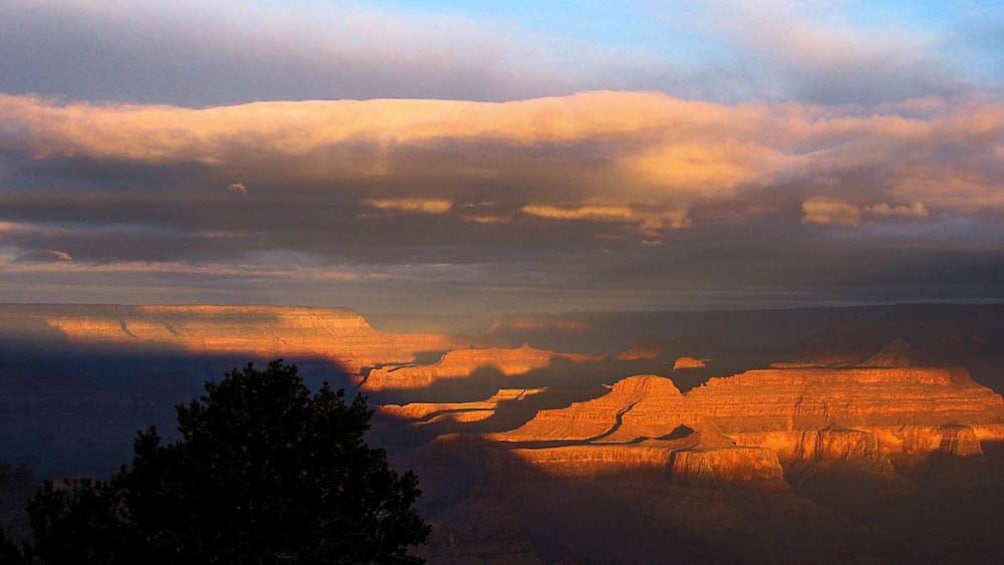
pixel 837 443
pixel 597 460
pixel 716 465
pixel 262 331
pixel 959 440
pixel 746 426
pixel 422 413
pixel 815 397
pixel 462 363
pixel 634 408
pixel 952 439
pixel 689 363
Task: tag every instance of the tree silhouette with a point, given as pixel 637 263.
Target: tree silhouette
pixel 264 473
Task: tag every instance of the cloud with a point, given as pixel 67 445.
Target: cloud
pixel 45 256
pixel 410 205
pixel 830 212
pixel 514 199
pixel 238 188
pixel 485 219
pixel 882 209
pixel 809 51
pixel 196 53
pixel 650 223
pixel 618 149
pixel 834 212
pixel 594 212
pixel 826 211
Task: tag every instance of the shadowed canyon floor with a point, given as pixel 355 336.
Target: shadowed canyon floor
pixel 828 435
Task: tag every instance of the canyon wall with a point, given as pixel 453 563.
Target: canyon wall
pixel 753 426
pixel 423 413
pixel 261 331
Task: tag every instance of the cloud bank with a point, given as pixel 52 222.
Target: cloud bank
pixel 624 199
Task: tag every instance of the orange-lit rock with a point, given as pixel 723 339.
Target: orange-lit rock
pixel 263 331
pixel 594 460
pixel 689 363
pixel 952 439
pixel 726 464
pixel 840 444
pixel 608 418
pixel 749 424
pixel 422 413
pixel 778 399
pixel 462 363
pixel 959 440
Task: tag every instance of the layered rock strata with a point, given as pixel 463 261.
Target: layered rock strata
pixel 635 407
pixel 263 331
pixel 746 427
pixel 423 413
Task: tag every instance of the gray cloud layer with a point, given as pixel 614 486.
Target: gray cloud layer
pixel 597 200
pixel 834 163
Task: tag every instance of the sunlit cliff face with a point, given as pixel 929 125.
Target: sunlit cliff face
pixel 339 335
pixel 745 427
pixel 617 199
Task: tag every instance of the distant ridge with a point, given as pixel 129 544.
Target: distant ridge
pixel 263 331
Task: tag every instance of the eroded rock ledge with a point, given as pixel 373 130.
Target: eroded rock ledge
pixel 263 331
pixel 753 426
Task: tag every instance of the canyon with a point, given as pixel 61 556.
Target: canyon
pixel 632 437
pixel 751 426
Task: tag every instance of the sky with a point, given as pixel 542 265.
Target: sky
pixel 472 157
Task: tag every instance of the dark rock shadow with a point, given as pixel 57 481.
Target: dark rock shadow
pixel 75 412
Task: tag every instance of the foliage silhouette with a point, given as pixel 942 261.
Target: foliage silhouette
pixel 264 473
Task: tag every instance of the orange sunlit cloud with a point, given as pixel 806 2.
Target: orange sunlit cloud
pixel 618 148
pixel 411 205
pixel 635 191
pixel 824 211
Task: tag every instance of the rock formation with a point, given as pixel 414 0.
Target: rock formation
pixel 725 464
pixel 462 363
pixel 263 331
pixel 422 413
pixel 635 407
pixel 745 427
pixel 690 363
